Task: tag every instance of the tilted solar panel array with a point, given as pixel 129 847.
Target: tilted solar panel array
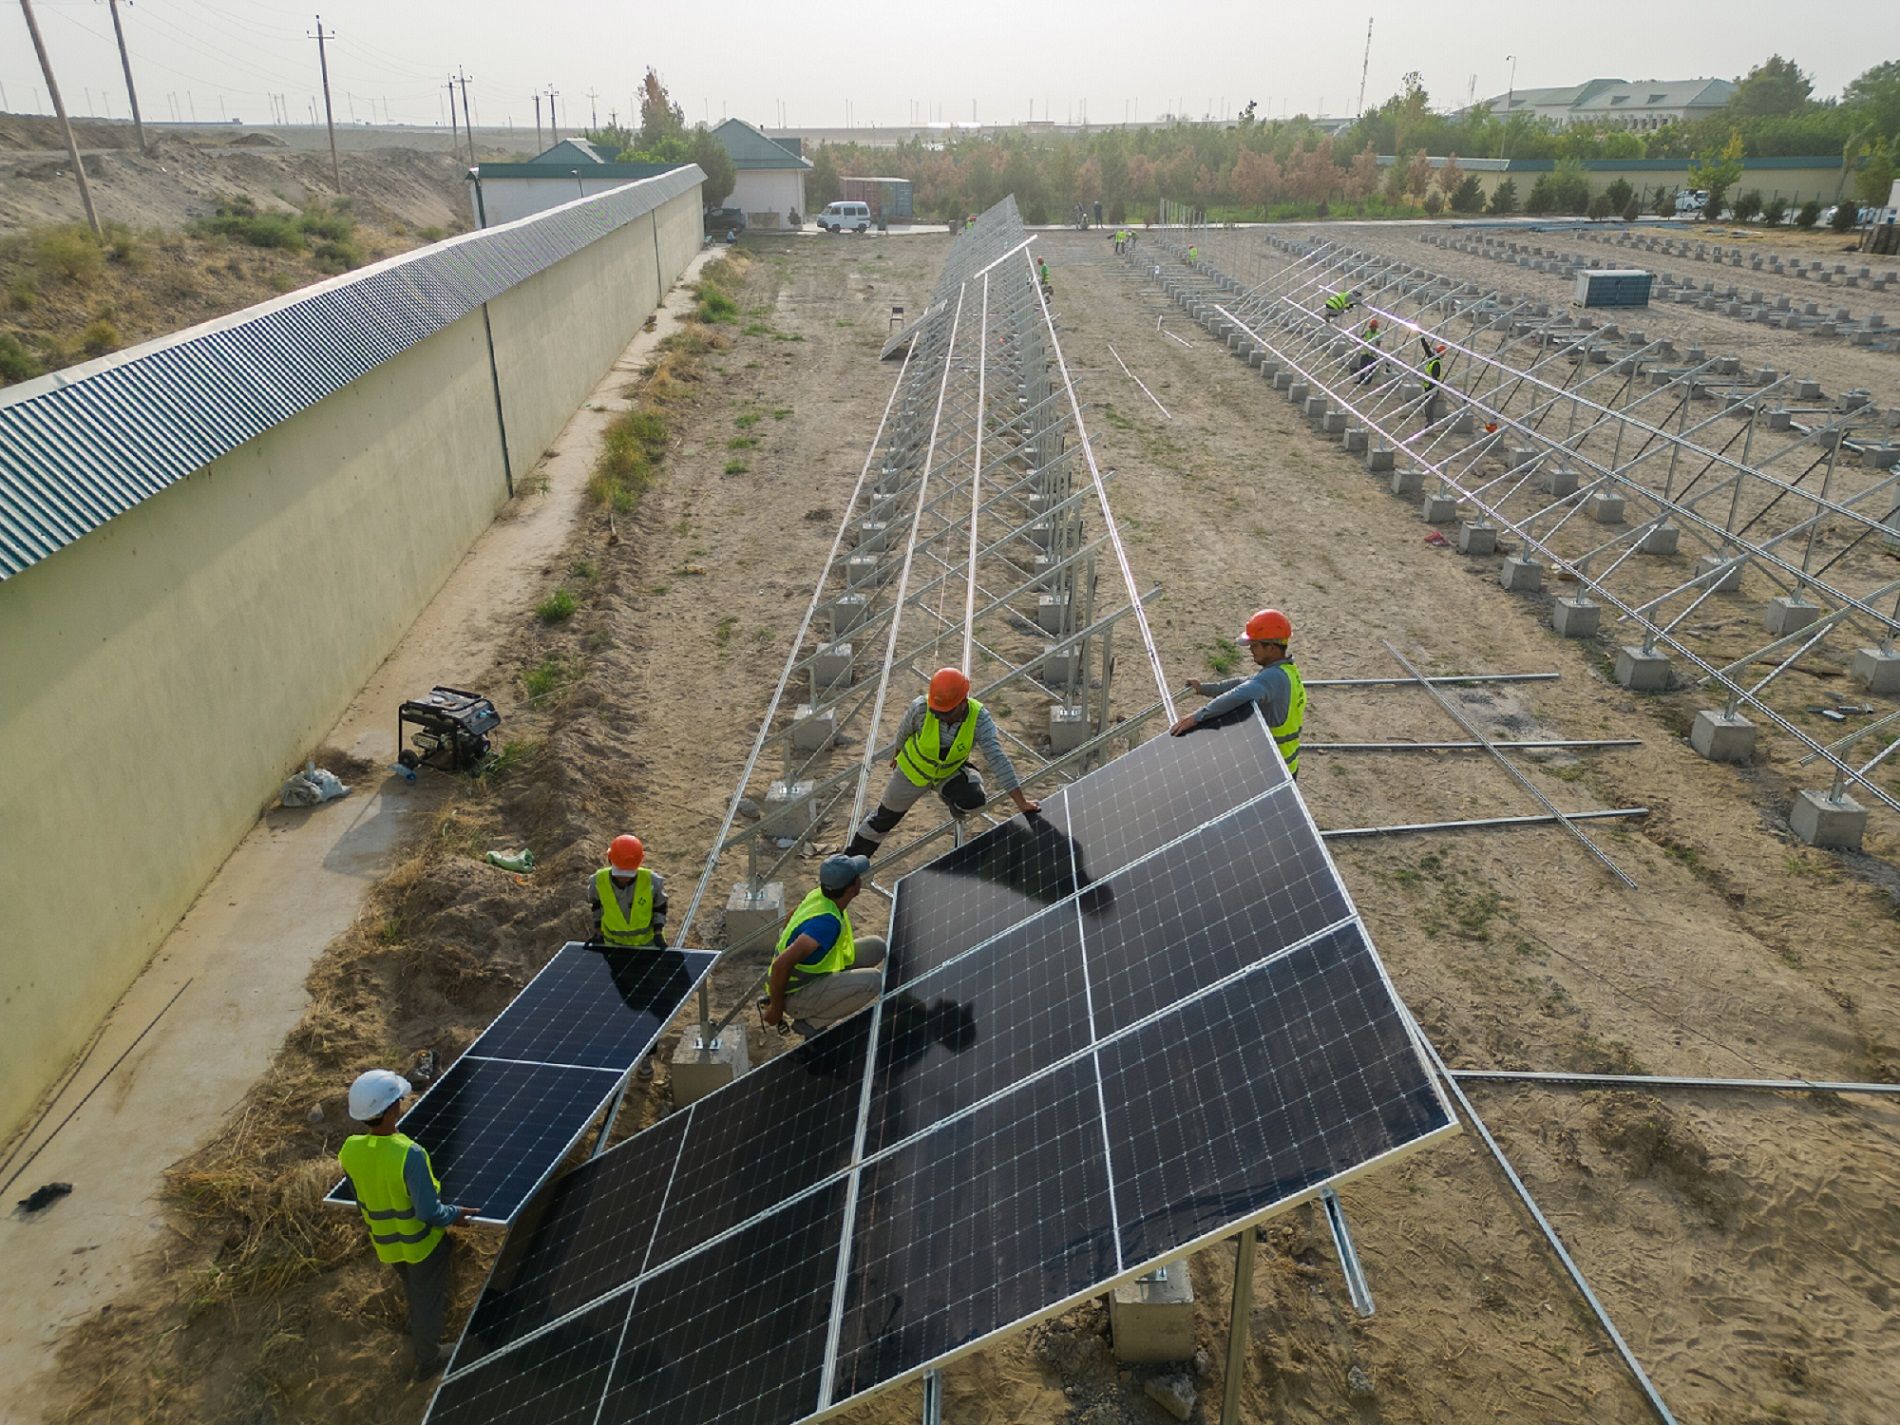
pixel 505 1114
pixel 1110 1034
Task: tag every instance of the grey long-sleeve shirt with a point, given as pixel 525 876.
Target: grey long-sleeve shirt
pixel 988 741
pixel 1269 686
pixel 424 1201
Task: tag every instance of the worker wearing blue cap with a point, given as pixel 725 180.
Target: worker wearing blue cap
pixel 825 972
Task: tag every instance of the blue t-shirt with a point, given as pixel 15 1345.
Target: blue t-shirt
pixel 825 929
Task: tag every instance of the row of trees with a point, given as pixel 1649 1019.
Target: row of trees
pixel 1284 165
pixel 663 137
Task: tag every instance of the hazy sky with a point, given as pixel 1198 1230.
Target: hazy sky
pixel 896 61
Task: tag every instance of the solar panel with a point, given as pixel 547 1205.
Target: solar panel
pixel 1291 1075
pixel 1230 894
pixel 504 1114
pixel 1165 788
pixel 988 884
pixel 554 1379
pixel 1070 1077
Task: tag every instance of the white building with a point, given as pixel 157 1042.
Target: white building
pixel 1615 103
pixel 770 181
pixel 501 192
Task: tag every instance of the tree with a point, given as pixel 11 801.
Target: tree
pixel 1776 87
pixel 1504 197
pixel 1362 180
pixel 1874 181
pixel 1543 196
pixel 1418 174
pixel 1470 196
pixel 1620 194
pixel 660 118
pixel 716 163
pixel 1600 206
pixel 1451 175
pixel 822 183
pixel 1717 172
pixel 1874 97
pixel 1809 215
pixel 1570 188
pixel 1846 213
pixel 1434 202
pixel 1663 202
pixel 1746 206
pixel 1774 210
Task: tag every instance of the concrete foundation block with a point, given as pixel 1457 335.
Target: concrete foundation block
pixel 860 571
pixel 1477 537
pixel 1819 820
pixel 873 536
pixel 813 731
pixel 1060 668
pixel 790 810
pixel 1298 392
pixel 1439 509
pixel 1575 618
pixel 1722 738
pixel 1521 576
pixel 1153 1321
pixel 847 611
pixel 1315 408
pixel 1407 483
pixel 1729 582
pixel 1052 613
pixel 1876 671
pixel 1333 423
pixel 1379 459
pixel 696 1070
pixel 1663 538
pixel 1641 670
pixel 1282 380
pixel 830 668
pixel 1354 439
pixel 752 913
pixel 1464 423
pixel 1785 615
pixel 1606 508
pixel 1068 729
pixel 1557 480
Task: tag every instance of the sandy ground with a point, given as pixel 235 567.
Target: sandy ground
pixel 1745 1246
pixel 293 885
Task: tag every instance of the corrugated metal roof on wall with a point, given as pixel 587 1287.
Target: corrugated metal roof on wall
pixel 81 446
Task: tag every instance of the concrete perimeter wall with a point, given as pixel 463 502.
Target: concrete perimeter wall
pixel 164 666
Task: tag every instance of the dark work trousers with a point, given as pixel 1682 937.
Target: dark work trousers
pixel 426 1285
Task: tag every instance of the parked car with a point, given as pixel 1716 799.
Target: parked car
pixel 846 217
pixel 720 221
pixel 1691 200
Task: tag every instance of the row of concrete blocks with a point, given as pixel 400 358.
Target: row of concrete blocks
pixel 1757 261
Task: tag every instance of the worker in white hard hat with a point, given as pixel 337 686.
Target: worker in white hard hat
pixel 400 1196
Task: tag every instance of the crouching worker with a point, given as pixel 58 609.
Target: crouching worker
pixel 934 742
pixel 399 1193
pixel 822 972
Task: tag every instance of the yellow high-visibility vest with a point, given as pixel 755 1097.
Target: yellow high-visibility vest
pixel 374 1162
pixel 636 926
pixel 921 759
pixel 843 953
pixel 1287 734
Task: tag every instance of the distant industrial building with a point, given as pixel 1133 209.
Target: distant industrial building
pixel 770 180
pixel 501 192
pixel 1617 103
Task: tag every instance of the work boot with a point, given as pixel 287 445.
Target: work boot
pixel 645 1072
pixel 861 845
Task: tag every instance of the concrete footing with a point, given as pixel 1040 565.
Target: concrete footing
pixel 1787 615
pixel 1818 819
pixel 847 612
pixel 1407 483
pixel 1729 582
pixel 1379 459
pixel 696 1071
pixel 1557 480
pixel 860 571
pixel 1052 612
pixel 1606 508
pixel 1059 668
pixel 830 668
pixel 1721 737
pixel 1575 618
pixel 1439 509
pixel 751 913
pixel 1641 670
pixel 1477 537
pixel 1876 671
pixel 1354 440
pixel 813 731
pixel 1521 576
pixel 790 810
pixel 1153 1321
pixel 1663 538
pixel 1068 729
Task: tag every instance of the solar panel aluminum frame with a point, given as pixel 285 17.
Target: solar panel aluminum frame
pixel 700 968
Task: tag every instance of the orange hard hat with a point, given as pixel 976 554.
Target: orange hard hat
pixel 948 688
pixel 1373 325
pixel 626 854
pixel 1440 348
pixel 1267 626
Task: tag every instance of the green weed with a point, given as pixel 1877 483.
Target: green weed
pixel 746 420
pixel 1223 656
pixel 557 607
pixel 736 467
pixel 722 631
pixel 548 677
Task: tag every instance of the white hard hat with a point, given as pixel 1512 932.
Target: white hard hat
pixel 373 1093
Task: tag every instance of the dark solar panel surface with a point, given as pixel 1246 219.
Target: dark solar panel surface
pixel 595 1008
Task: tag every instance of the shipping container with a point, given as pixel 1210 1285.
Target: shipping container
pixel 888 198
pixel 1612 287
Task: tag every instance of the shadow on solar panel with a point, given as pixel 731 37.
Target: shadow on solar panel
pixel 1165 1024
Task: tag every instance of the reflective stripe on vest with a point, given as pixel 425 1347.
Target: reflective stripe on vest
pixel 921 758
pixel 636 926
pixel 374 1162
pixel 843 953
pixel 1287 734
pixel 1338 302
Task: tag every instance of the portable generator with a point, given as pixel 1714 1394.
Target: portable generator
pixel 451 732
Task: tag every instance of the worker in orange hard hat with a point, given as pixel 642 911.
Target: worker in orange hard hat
pixel 629 904
pixel 1276 687
pixel 1372 337
pixel 934 742
pixel 1433 368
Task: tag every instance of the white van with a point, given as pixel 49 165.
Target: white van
pixel 845 218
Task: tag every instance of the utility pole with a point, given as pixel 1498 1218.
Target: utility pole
pixel 466 124
pixel 59 107
pixel 329 115
pixel 1364 66
pixel 554 126
pixel 537 123
pixel 455 129
pixel 593 110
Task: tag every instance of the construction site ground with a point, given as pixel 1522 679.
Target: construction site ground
pixel 1743 1243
